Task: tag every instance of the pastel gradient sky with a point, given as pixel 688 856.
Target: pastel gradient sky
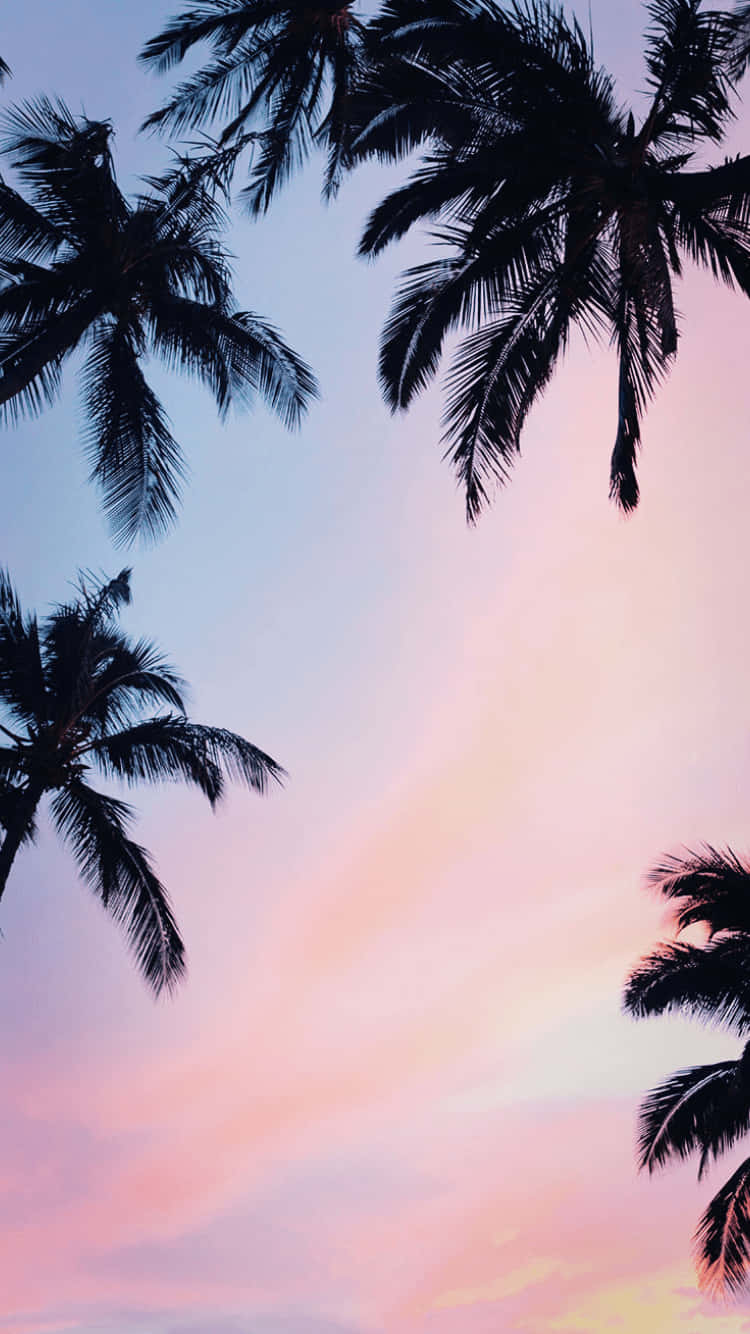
pixel 396 1093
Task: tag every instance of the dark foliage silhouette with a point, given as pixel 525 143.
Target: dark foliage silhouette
pixel 703 1111
pixel 553 207
pixel 82 267
pixel 77 696
pixel 279 78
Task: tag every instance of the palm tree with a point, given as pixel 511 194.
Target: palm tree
pixel 284 66
pixel 704 1110
pixel 78 695
pixel 84 267
pixel 554 208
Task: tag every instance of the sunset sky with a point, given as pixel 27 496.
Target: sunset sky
pixel 396 1094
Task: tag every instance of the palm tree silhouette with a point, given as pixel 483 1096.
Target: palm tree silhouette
pixel 703 1110
pixel 83 267
pixel 553 208
pixel 285 67
pixel 76 695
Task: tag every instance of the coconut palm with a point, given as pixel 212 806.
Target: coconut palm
pixel 705 1110
pixel 553 208
pixel 279 78
pixel 85 268
pixel 78 696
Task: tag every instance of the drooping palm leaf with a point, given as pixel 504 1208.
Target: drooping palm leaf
pixel 722 1241
pixel 702 1110
pixel 120 873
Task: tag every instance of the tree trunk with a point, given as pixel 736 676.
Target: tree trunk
pixel 15 830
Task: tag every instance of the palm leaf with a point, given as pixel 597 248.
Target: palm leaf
pixel 722 1241
pixel 710 982
pixel 120 873
pixel 261 362
pixel 25 233
pixel 31 359
pixel 710 887
pixel 135 460
pixel 701 1110
pixel 22 683
pixel 499 371
pixel 173 748
pixel 158 750
pixel 223 20
pixel 690 53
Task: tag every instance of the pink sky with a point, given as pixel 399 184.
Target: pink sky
pixel 396 1093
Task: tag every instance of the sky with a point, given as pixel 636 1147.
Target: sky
pixel 396 1092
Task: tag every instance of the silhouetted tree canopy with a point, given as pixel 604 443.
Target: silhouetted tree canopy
pixel 705 1110
pixel 78 696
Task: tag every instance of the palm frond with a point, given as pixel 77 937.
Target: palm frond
pixel 185 335
pixel 260 362
pixel 644 359
pixel 135 460
pixel 226 87
pixel 281 150
pixel 22 683
pixel 129 677
pixel 239 759
pixel 710 887
pixel 710 982
pixel 722 1241
pixel 31 360
pixel 198 174
pixel 120 874
pixel 173 748
pixel 499 371
pixel 690 52
pixel 700 1110
pixel 158 750
pixel 25 233
pixel 717 242
pixel 438 184
pixel 222 20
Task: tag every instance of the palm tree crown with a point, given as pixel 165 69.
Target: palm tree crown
pixel 76 696
pixel 82 266
pixel 554 208
pixel 280 76
pixel 704 1110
